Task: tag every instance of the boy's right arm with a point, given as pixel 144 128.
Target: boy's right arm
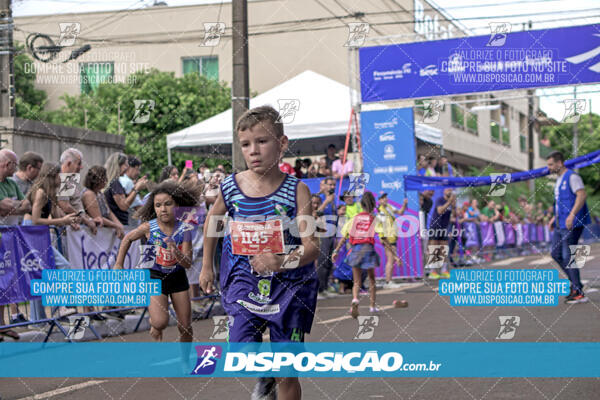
pixel 210 242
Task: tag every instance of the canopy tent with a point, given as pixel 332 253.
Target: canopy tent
pixel 321 118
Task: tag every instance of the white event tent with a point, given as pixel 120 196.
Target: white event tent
pixel 321 118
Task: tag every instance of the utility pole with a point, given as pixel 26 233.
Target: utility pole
pixel 530 146
pixel 240 85
pixel 7 82
pixel 575 132
pixel 591 122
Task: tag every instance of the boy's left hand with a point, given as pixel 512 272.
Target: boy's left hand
pixel 266 263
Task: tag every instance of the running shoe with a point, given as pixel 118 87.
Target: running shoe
pixel 265 389
pixel 445 275
pixel 434 275
pixel 373 310
pixel 354 309
pixel 391 285
pixel 578 298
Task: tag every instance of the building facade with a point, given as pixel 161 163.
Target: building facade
pixel 285 39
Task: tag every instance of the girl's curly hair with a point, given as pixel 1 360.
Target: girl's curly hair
pixel 183 195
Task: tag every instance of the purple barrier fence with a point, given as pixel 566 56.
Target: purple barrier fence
pixel 472 235
pixel 540 233
pixel 509 234
pixel 533 233
pixel 525 230
pixel 487 234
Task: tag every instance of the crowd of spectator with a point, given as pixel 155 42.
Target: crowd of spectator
pixel 34 191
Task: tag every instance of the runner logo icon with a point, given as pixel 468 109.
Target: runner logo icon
pixel 366 326
pixel 207 359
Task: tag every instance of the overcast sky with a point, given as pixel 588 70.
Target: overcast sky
pixel 488 10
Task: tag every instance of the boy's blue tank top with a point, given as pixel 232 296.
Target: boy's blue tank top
pixel 157 237
pixel 281 204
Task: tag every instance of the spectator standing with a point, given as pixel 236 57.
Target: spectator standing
pixel 439 227
pixel 168 172
pixel 127 180
pixel 29 168
pixel 328 208
pixel 71 162
pixel 94 200
pixel 473 211
pixel 490 212
pixel 117 199
pixel 431 164
pixel 446 167
pixel 12 205
pixel 45 211
pixel 421 165
pixel 341 169
pixel 330 156
pixel 298 169
pixel 352 207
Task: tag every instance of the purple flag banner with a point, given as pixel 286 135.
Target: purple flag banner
pixel 24 252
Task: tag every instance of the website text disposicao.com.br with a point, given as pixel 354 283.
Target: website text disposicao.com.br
pixel 351 362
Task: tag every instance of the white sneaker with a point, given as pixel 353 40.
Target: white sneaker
pixel 392 285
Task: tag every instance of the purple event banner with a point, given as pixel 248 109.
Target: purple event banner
pixel 24 252
pixel 500 61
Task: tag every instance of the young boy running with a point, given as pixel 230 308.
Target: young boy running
pixel 258 288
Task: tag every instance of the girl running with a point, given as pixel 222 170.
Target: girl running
pixel 361 232
pixel 173 254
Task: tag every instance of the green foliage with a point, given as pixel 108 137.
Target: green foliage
pixel 179 103
pixel 543 191
pixel 29 101
pixel 561 138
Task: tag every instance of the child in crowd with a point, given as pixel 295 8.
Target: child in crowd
pixel 342 272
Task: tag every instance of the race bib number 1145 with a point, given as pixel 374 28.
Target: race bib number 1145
pixel 252 238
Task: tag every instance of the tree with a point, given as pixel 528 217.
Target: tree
pixel 561 139
pixel 542 193
pixel 178 104
pixel 29 101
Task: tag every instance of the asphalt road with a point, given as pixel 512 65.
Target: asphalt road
pixel 428 318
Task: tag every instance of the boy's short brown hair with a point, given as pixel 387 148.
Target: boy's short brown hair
pixel 260 115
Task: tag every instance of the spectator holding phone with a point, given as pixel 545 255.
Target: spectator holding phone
pixel 127 180
pixel 71 163
pixel 94 201
pixel 45 211
pixel 117 199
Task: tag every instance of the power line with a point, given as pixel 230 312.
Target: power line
pixel 162 41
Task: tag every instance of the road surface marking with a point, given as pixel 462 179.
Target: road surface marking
pixel 62 390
